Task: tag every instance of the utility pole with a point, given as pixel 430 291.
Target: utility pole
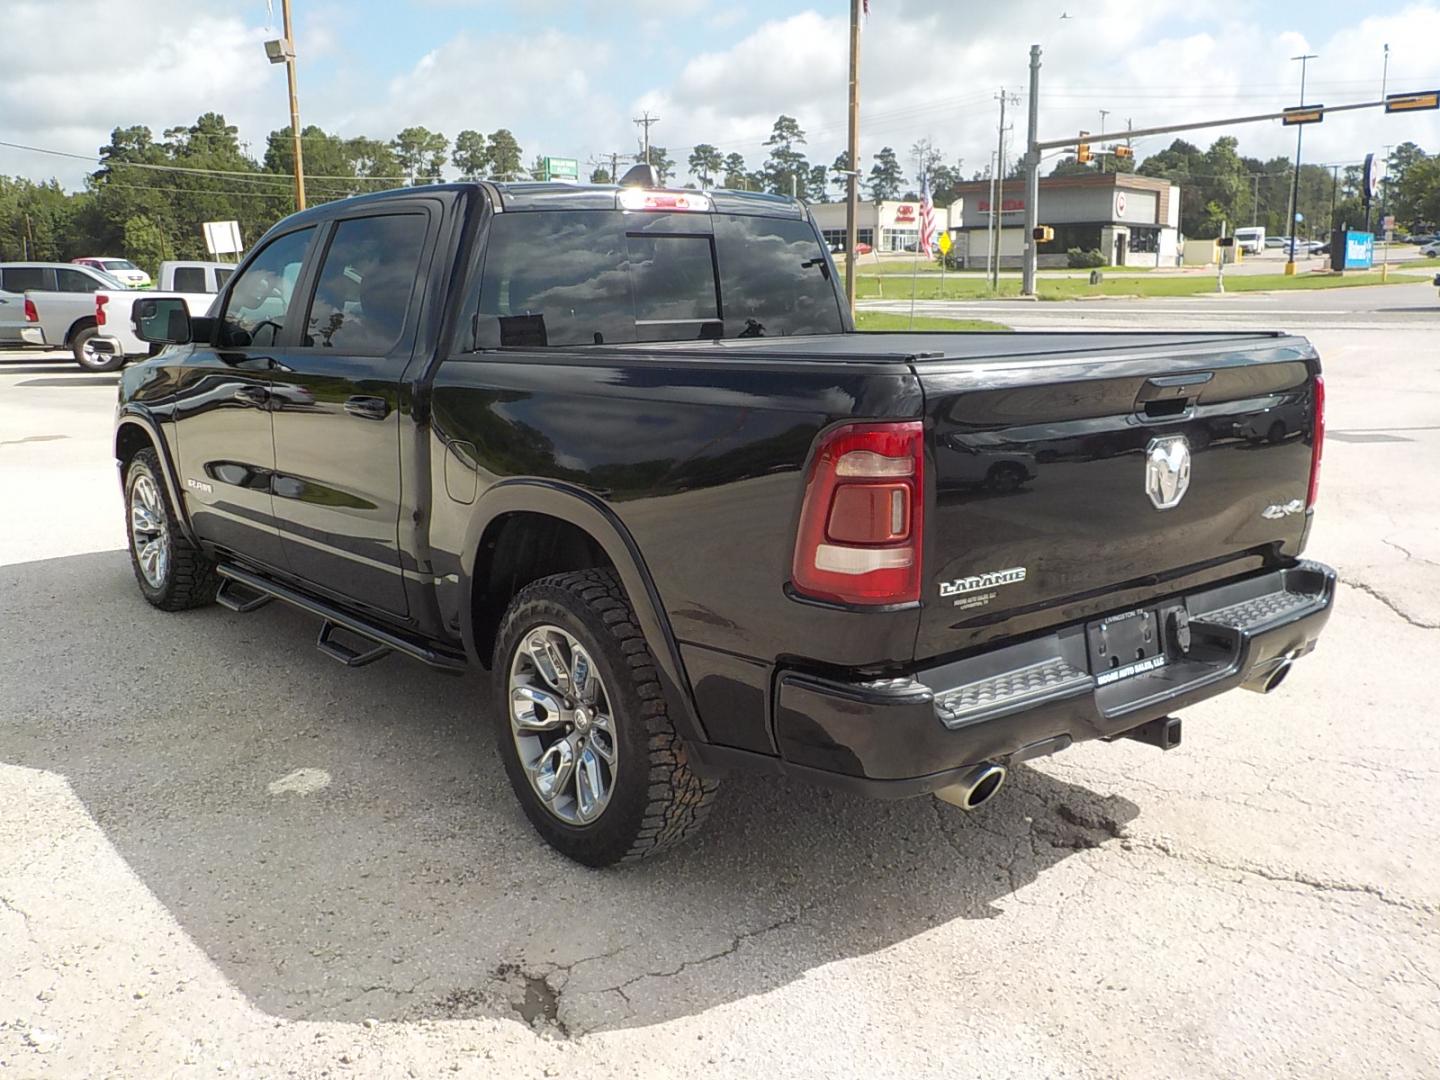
pixel 645 122
pixel 294 105
pixel 852 189
pixel 1032 179
pixel 999 203
pixel 1103 114
pixel 1295 183
pixel 1255 200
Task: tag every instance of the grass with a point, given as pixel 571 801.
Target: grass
pixel 904 267
pixel 928 288
pixel 872 321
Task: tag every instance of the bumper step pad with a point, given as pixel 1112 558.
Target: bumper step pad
pixel 1010 691
pixel 1249 614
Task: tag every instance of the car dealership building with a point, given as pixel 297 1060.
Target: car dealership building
pixel 1132 220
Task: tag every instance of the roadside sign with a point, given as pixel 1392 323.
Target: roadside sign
pixel 1303 114
pixel 1374 173
pixel 562 168
pixel 1426 99
pixel 945 243
pixel 222 237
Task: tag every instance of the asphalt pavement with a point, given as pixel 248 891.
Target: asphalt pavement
pixel 223 854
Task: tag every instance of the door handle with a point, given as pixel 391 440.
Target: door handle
pixel 367 408
pixel 252 395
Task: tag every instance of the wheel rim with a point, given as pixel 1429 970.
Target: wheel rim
pixel 87 350
pixel 149 533
pixel 562 724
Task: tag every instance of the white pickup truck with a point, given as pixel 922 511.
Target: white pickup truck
pixel 194 282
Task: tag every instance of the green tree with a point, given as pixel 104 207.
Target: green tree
pixel 886 179
pixel 786 170
pixel 705 164
pixel 735 172
pixel 815 186
pixel 145 244
pixel 324 155
pixel 839 179
pixel 421 154
pixel 472 154
pixel 1415 199
pixel 664 166
pixel 601 175
pixel 505 156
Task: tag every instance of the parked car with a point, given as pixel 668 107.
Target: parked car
pixel 16 329
pixel 58 304
pixel 194 277
pixel 195 282
pixel 1276 242
pixel 122 270
pixel 1431 250
pixel 622 447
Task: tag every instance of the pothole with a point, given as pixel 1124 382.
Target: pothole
pixel 532 998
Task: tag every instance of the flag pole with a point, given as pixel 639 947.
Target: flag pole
pixel 852 191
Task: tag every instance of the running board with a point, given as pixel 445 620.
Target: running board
pixel 241 598
pixel 335 619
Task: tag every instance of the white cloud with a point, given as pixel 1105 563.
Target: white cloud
pixel 930 69
pixel 104 65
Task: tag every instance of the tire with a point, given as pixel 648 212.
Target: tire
pixel 655 800
pixel 180 576
pixel 92 361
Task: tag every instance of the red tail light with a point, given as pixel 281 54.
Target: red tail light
pixel 100 301
pixel 863 516
pixel 1317 441
pixel 31 315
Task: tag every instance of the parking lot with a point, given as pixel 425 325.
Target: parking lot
pixel 221 852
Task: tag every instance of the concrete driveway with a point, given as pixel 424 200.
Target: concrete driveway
pixel 223 854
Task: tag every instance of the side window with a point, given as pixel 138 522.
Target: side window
pixel 774 278
pixel 20 278
pixel 221 277
pixel 255 310
pixel 190 279
pixel 74 281
pixel 363 291
pixel 556 278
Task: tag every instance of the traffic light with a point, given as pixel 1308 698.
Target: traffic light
pixel 1043 234
pixel 1124 152
pixel 1082 148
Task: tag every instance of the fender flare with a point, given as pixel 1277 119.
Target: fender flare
pixel 132 415
pixel 583 510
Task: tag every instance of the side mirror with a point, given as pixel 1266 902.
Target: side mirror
pixel 162 320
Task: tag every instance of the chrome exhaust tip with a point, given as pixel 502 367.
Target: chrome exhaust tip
pixel 974 788
pixel 1270 680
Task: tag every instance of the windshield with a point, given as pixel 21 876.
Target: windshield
pixel 118 264
pixel 595 277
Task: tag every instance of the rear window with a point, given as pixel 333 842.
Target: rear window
pixel 190 279
pixel 604 277
pixel 222 276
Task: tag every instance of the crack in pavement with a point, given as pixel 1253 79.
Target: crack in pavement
pixel 1407 552
pixel 1374 593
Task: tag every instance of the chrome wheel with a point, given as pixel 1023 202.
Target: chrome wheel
pixel 149 532
pixel 561 721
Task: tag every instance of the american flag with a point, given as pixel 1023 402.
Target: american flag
pixel 927 218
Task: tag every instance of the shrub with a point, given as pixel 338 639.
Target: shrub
pixel 1084 260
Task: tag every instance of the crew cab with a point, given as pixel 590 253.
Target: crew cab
pixel 623 448
pixel 57 301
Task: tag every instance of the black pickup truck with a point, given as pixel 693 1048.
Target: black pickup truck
pixel 622 447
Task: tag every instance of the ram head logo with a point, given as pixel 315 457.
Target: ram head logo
pixel 1167 471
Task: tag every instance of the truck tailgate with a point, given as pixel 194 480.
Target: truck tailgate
pixel 1100 476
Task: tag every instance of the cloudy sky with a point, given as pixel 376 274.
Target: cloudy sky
pixel 568 77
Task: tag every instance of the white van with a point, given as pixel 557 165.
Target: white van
pixel 1250 239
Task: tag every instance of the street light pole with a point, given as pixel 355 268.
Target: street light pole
pixel 1032 179
pixel 1295 183
pixel 294 106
